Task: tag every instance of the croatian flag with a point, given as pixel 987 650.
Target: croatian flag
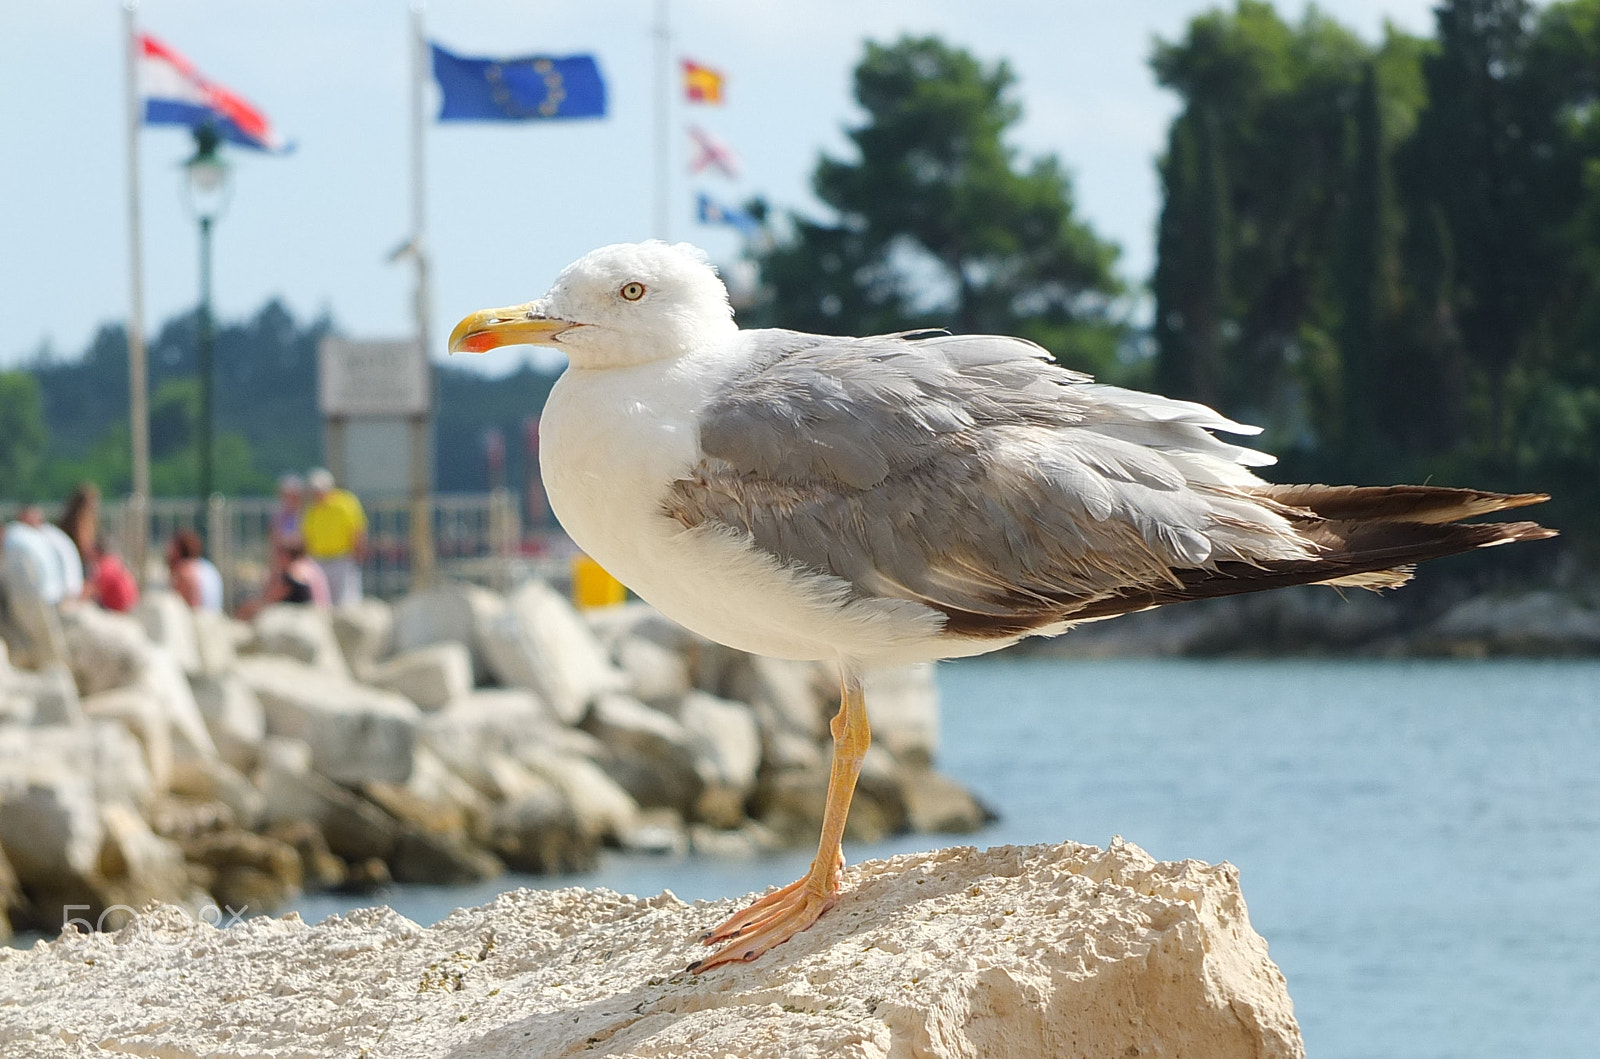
pixel 175 93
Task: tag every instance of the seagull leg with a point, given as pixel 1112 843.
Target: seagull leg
pixel 780 915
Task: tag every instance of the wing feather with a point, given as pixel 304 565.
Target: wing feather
pixel 970 474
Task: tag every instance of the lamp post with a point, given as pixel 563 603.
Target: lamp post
pixel 206 192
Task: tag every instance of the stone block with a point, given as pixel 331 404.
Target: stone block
pixel 233 716
pixel 539 641
pixel 170 622
pixel 903 709
pixel 430 676
pixel 365 631
pixel 303 633
pixel 449 613
pixel 356 733
pixel 652 755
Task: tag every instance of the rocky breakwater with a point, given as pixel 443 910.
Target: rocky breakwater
pixel 224 767
pixel 1040 951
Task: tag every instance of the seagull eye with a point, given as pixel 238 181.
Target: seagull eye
pixel 632 291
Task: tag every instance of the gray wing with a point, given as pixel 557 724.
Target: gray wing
pixel 971 474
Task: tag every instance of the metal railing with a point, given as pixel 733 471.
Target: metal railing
pixel 477 537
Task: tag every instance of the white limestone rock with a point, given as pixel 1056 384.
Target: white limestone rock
pixel 797 696
pixel 1033 951
pixel 711 665
pixel 45 696
pixel 655 674
pixel 603 809
pixel 1528 623
pixel 454 612
pixel 49 824
pixel 356 733
pixel 652 755
pixel 104 753
pixel 936 803
pixel 106 650
pixel 365 631
pixel 142 714
pixel 233 716
pixel 903 709
pixel 726 739
pixel 136 866
pixel 218 781
pixel 164 679
pixel 355 829
pixel 292 756
pixel 170 622
pixel 303 633
pixel 15 707
pixel 637 618
pixel 538 831
pixel 219 638
pixel 432 780
pixel 493 721
pixel 430 676
pixel 539 641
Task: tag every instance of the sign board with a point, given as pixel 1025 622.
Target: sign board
pixel 376 460
pixel 357 379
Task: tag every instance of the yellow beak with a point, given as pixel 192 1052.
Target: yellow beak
pixel 514 325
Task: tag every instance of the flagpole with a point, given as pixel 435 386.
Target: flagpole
pixel 136 521
pixel 421 458
pixel 663 85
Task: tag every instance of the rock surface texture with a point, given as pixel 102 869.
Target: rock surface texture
pixel 1040 951
pixel 189 758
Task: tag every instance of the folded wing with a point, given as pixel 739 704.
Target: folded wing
pixel 971 474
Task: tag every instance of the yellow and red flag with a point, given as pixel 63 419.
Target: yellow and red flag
pixel 702 84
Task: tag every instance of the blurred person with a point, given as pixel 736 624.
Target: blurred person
pixel 335 531
pixel 80 521
pixel 194 577
pixel 294 579
pixel 284 529
pixel 110 583
pixel 34 573
pixel 62 574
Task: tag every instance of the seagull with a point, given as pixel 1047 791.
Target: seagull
pixel 908 497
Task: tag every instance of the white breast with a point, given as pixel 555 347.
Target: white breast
pixel 612 441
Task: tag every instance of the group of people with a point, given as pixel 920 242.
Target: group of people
pixel 67 559
pixel 45 564
pixel 318 540
pixel 317 547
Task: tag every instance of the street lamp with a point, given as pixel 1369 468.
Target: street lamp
pixel 206 192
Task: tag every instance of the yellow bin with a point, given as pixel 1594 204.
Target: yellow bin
pixel 592 586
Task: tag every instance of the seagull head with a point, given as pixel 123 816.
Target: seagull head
pixel 620 305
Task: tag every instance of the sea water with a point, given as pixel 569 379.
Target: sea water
pixel 1419 842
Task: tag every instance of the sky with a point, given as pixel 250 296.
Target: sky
pixel 508 205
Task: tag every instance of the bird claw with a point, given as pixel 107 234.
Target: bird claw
pixel 786 919
pixel 773 919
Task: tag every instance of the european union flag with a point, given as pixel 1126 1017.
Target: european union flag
pixel 532 88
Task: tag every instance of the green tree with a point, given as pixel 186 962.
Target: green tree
pixel 22 434
pixel 1279 151
pixel 1488 195
pixel 940 223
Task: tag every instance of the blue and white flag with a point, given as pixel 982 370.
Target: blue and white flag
pixel 531 88
pixel 711 211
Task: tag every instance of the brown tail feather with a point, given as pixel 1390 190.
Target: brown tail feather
pixel 1427 504
pixel 1352 549
pixel 1366 536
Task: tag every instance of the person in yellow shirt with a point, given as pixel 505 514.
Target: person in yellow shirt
pixel 334 528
